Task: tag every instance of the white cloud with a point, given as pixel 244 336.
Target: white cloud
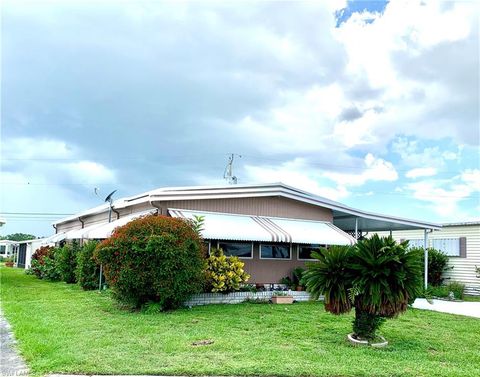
pixel 295 173
pixel 445 196
pixel 421 172
pixel 375 169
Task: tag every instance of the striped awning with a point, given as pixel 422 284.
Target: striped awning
pixel 236 227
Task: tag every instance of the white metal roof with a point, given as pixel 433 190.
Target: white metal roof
pixel 226 226
pixel 104 230
pixel 344 216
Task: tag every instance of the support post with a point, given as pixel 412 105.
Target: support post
pixel 356 228
pixel 425 245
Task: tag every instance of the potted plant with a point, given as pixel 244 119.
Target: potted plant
pixel 377 277
pixel 9 262
pixel 281 297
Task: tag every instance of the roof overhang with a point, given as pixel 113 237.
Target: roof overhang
pixel 235 227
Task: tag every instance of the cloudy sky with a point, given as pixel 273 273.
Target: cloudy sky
pixel 372 104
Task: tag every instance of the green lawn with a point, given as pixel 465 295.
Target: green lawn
pixel 62 329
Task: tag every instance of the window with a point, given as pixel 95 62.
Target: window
pixel 453 247
pixel 275 251
pixel 236 249
pixel 2 249
pixel 450 246
pixel 305 251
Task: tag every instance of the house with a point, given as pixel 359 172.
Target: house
pixel 7 248
pixel 461 242
pixel 25 249
pixel 271 227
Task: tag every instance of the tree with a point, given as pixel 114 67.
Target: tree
pixel 378 277
pixel 19 237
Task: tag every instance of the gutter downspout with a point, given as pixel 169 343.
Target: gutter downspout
pixel 116 212
pixel 83 222
pixel 55 227
pixel 159 209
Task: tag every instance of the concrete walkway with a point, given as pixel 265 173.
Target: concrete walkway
pixel 11 364
pixel 470 309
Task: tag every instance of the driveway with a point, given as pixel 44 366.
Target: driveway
pixel 470 309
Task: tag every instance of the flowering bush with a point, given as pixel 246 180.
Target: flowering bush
pixel 224 274
pixel 43 263
pixel 153 259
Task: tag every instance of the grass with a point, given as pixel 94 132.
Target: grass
pixel 63 329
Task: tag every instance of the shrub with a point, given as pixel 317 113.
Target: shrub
pixel 66 260
pixel 154 258
pixel 443 291
pixel 377 276
pixel 44 264
pixel 437 265
pixel 37 258
pixel 298 276
pixel 224 274
pixel 87 272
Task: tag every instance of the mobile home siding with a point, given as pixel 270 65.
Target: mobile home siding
pixel 463 268
pixel 267 206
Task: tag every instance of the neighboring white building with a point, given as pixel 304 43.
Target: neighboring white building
pixel 7 248
pixel 23 257
pixel 461 241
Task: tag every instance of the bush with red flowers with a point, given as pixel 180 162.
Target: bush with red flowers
pixel 153 259
pixel 43 263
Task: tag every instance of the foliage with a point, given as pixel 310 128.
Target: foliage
pixel 66 261
pixel 86 333
pixel 44 265
pixel 197 224
pixel 477 271
pixel 297 276
pixel 224 274
pixel 437 265
pixel 288 282
pixel 443 291
pixel 153 258
pixel 87 271
pixel 18 237
pixel 377 276
pixel 331 277
pixel 279 294
pixel 388 275
pixel 366 324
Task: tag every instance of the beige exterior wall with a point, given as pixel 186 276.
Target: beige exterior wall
pixel 268 206
pixel 463 268
pixel 270 271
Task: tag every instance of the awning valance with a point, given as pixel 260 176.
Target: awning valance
pixel 236 227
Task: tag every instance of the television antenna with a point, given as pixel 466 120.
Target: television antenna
pixel 228 173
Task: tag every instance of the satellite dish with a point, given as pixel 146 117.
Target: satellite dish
pixel 109 197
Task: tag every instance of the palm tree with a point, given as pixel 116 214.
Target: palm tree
pixel 378 277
